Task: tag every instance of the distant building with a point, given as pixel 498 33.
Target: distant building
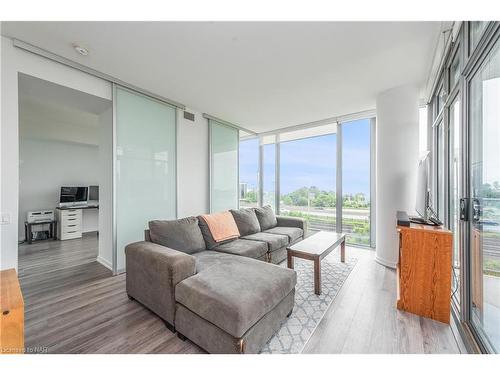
pixel 243 189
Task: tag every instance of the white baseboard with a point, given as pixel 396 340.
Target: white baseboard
pixel 105 263
pixel 385 262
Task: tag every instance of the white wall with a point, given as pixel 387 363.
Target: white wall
pixel 13 61
pixel 38 119
pixel 396 164
pixel 193 166
pixel 45 166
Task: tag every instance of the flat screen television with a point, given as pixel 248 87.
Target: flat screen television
pixel 73 195
pixel 423 190
pixel 423 204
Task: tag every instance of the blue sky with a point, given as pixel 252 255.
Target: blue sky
pixel 312 161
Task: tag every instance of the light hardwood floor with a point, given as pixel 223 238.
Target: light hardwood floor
pixel 74 305
pixel 363 317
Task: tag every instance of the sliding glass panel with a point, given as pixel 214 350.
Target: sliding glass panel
pixel 307 180
pixel 484 130
pixel 269 175
pixel 249 173
pixel 224 142
pixel 455 193
pixel 356 156
pixel 145 166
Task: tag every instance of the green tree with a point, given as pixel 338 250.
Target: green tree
pixel 251 196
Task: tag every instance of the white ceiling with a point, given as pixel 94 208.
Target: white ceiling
pixel 260 75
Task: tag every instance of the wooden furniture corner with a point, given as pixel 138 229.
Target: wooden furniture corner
pixel 12 314
pixel 424 271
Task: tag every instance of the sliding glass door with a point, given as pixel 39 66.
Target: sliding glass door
pixel 455 192
pixel 145 166
pixel 484 170
pixel 224 184
pixel 440 171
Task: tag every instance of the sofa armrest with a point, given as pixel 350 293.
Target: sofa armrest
pixel 153 271
pixel 296 222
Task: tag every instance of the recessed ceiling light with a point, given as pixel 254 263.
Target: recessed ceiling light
pixel 81 50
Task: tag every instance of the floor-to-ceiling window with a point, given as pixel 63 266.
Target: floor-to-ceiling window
pixel 307 180
pixel 356 158
pixel 466 160
pixel 302 167
pixel 268 145
pixel 249 172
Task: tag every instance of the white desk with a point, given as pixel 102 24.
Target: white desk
pixel 70 221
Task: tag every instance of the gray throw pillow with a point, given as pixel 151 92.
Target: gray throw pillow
pixel 246 220
pixel 182 234
pixel 266 217
pixel 207 235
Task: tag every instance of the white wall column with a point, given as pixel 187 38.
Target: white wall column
pixel 396 165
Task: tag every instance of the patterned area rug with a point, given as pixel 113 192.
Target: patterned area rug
pixel 309 308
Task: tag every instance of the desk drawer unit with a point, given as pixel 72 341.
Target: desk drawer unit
pixel 69 224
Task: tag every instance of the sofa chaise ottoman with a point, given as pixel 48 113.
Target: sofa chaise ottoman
pixel 226 298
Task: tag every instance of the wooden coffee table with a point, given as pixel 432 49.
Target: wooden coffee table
pixel 315 248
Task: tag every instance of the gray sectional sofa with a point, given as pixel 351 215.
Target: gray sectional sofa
pixel 226 297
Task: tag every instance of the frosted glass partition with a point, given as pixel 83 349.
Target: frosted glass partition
pixel 224 142
pixel 145 166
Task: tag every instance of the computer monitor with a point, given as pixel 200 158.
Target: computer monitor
pixel 93 193
pixel 73 195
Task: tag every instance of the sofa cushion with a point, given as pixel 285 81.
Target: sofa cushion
pixel 293 233
pixel 182 234
pixel 237 293
pixel 266 217
pixel 207 235
pixel 273 241
pixel 209 258
pixel 246 248
pixel 246 220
